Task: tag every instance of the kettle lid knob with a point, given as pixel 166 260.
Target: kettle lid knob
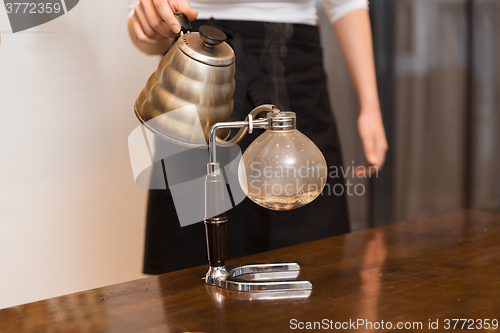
pixel 207 46
pixel 211 36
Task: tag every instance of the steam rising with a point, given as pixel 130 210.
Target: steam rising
pixel 275 48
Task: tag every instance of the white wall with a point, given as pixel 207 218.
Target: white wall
pixel 71 216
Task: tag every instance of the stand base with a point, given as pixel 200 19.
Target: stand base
pixel 263 277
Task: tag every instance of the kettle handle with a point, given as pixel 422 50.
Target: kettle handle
pixel 184 23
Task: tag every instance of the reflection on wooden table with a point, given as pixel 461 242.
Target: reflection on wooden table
pixel 436 268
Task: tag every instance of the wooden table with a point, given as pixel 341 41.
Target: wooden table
pixel 436 268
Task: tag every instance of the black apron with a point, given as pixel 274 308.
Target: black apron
pixel 280 64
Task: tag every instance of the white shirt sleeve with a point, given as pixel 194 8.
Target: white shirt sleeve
pixel 131 6
pixel 335 9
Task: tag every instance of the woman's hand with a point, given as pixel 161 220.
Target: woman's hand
pixel 372 134
pixel 153 24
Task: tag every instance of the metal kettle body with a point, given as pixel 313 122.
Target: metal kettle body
pixel 193 86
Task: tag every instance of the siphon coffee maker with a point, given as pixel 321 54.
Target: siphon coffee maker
pixel 281 170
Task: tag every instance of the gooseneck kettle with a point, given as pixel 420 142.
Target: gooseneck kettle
pixel 192 86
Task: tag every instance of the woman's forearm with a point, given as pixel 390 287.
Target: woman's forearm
pixel 355 39
pixel 160 48
pixel 354 36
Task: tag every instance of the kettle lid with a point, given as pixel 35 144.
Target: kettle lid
pixel 207 46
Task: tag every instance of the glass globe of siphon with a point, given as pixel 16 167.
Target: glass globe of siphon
pixel 282 169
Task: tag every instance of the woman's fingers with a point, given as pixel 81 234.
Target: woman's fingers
pixel 382 147
pixel 375 150
pixel 155 21
pixel 184 7
pixel 372 134
pixel 165 11
pixel 367 135
pixel 369 145
pixel 139 32
pixel 142 19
